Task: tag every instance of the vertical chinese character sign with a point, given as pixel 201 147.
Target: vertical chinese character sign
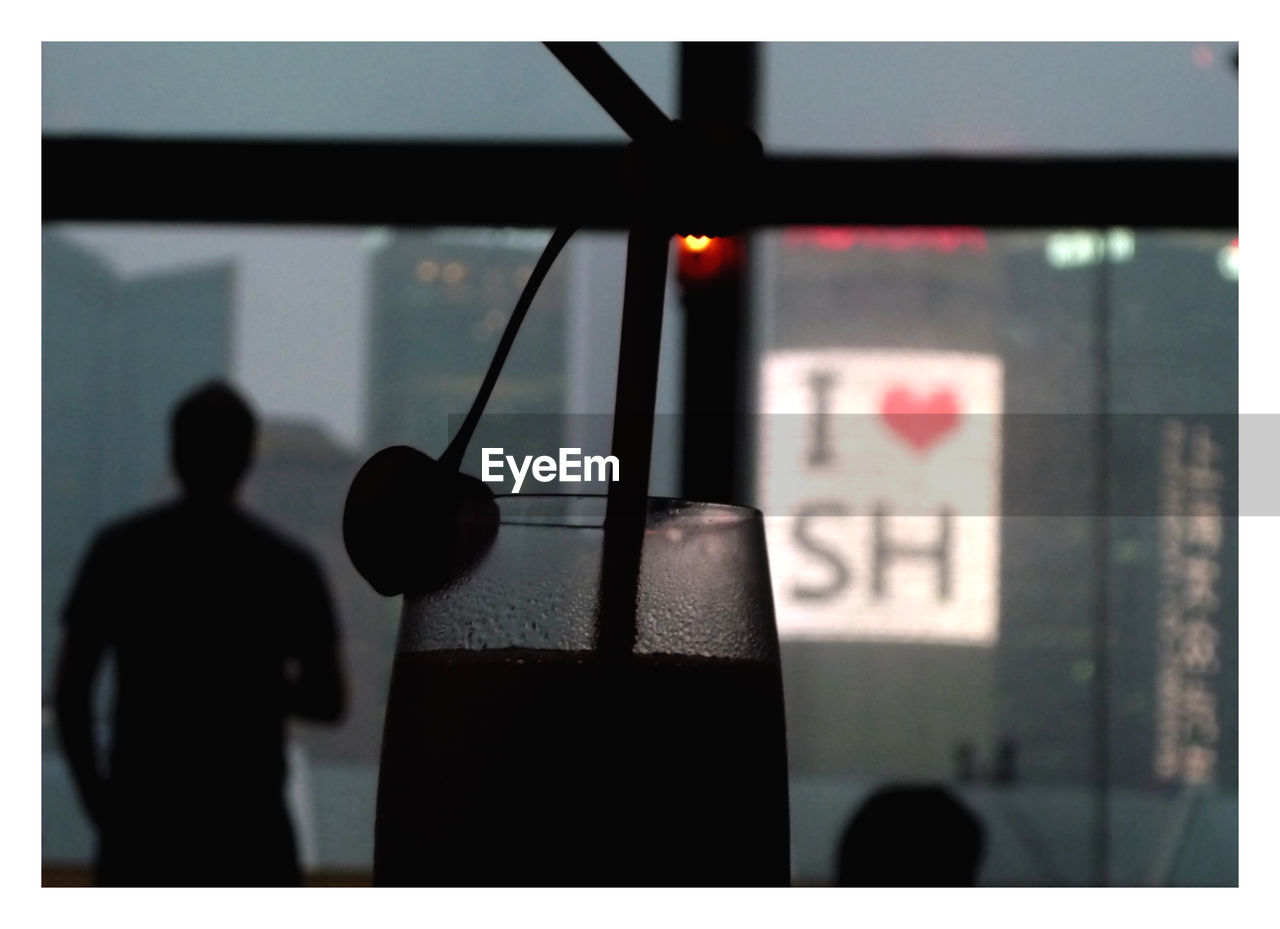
pixel 880 483
pixel 1191 537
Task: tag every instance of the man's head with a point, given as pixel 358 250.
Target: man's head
pixel 212 433
pixel 911 836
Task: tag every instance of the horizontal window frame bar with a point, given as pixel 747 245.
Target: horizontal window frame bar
pixel 382 183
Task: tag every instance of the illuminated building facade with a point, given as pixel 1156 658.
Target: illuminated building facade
pixel 1114 379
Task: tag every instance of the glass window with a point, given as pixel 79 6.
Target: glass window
pixel 997 466
pixel 344 341
pixel 434 90
pixel 948 417
pixel 941 409
pixel 1007 98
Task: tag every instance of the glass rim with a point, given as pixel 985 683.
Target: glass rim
pixel 587 511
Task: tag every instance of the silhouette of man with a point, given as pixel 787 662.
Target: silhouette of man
pixel 906 836
pixel 220 628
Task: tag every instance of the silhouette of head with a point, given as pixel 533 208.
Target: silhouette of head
pixel 911 837
pixel 213 431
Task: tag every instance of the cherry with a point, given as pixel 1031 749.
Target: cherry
pixel 413 525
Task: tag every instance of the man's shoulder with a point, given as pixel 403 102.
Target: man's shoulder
pixel 137 525
pixel 166 523
pixel 274 540
pixel 117 552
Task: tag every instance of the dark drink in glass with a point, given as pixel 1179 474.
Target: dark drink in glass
pixel 516 755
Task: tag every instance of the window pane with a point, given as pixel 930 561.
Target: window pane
pixel 344 341
pixel 1104 98
pixel 914 343
pixel 949 416
pixel 434 90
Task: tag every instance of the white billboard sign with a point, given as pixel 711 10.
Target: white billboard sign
pixel 880 482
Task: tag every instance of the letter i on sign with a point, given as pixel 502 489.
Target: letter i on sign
pixel 880 484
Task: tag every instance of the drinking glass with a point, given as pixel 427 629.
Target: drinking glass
pixel 516 753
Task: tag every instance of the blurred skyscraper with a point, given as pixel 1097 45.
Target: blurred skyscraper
pixel 441 299
pixel 116 354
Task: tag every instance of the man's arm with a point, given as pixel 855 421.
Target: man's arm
pixel 78 664
pixel 317 686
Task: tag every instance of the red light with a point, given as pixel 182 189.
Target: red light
pixel 943 239
pixel 704 260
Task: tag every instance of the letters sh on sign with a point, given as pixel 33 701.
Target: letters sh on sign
pixel 880 481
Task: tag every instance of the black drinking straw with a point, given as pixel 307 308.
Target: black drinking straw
pixel 612 88
pixel 628 503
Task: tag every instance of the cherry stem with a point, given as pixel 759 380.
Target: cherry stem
pixel 452 457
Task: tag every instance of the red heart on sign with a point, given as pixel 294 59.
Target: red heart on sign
pixel 920 420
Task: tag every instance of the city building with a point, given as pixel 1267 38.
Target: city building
pixel 945 574
pixel 440 303
pixel 116 354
